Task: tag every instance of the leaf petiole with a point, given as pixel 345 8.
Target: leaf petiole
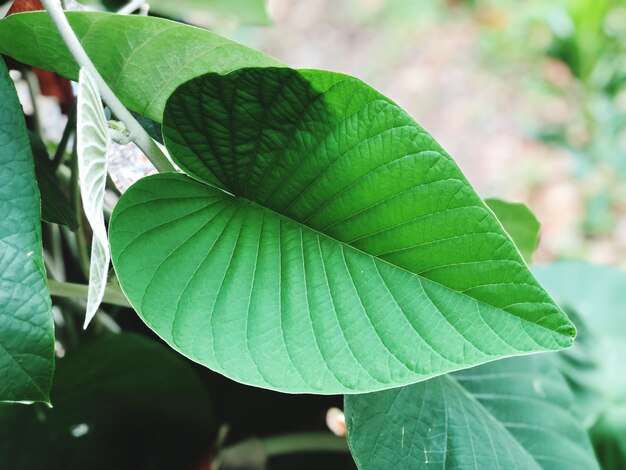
pixel 112 294
pixel 137 133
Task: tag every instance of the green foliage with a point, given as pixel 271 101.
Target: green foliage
pixel 143 59
pixel 520 223
pixel 354 256
pixel 55 207
pixel 27 332
pixel 595 366
pixel 119 401
pixel 514 413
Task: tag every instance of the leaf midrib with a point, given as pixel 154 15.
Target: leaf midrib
pixel 421 278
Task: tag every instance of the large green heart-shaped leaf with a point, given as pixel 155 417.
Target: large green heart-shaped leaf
pixel 351 255
pixel 514 413
pixel 143 59
pixel 120 402
pixel 26 329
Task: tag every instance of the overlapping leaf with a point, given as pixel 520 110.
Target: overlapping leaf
pixel 27 332
pixel 529 412
pixel 520 223
pixel 92 146
pixel 351 254
pixel 510 414
pixel 143 59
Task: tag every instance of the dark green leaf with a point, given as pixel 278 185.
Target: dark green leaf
pixel 27 333
pixel 153 128
pixel 55 207
pixel 120 402
pixel 520 223
pixel 609 438
pixel 514 413
pixel 354 256
pixel 143 59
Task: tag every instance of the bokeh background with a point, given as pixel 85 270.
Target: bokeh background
pixel 528 97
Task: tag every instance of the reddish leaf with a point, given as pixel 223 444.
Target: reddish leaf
pixel 25 5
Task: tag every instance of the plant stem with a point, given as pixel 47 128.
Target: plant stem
pixel 35 91
pixel 137 133
pixel 112 294
pixel 81 241
pixel 67 132
pixel 130 7
pixel 304 442
pixel 254 452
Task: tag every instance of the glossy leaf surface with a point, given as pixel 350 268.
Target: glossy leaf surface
pixel 27 331
pixel 353 256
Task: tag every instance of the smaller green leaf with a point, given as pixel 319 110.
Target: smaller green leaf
pixel 93 142
pixel 55 207
pixel 513 413
pixel 520 223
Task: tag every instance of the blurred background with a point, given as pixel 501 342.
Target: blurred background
pixel 528 97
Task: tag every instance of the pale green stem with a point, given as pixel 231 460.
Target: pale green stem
pixel 35 91
pixel 254 452
pixel 137 133
pixel 67 132
pixel 112 294
pixel 130 7
pixel 81 241
pixel 304 442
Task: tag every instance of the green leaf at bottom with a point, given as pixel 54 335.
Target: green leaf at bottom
pixel 513 413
